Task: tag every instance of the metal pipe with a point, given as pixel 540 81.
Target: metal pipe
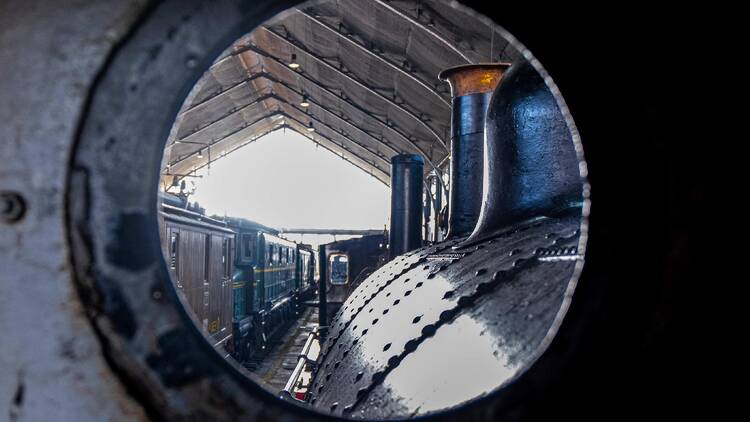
pixel 471 88
pixel 322 286
pixel 531 168
pixel 406 203
pixel 333 231
pixel 307 346
pixel 286 393
pixel 302 360
pixel 427 208
pixel 438 206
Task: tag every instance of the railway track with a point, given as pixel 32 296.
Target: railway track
pixel 275 364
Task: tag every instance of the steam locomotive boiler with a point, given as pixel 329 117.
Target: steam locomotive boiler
pixel 482 305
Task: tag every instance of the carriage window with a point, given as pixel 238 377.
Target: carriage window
pixel 174 240
pixel 339 264
pixel 248 246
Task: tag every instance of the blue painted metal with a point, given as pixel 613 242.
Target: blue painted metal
pixel 530 156
pixel 406 203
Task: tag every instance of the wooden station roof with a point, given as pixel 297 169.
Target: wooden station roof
pixel 366 68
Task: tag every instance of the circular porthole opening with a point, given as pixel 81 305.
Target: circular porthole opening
pixel 441 307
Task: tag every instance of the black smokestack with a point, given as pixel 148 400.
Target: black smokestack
pixel 406 203
pixel 471 89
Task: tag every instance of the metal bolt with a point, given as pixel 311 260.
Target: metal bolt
pixel 12 207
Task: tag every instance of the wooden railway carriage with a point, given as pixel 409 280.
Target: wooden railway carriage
pixel 199 253
pixel 241 280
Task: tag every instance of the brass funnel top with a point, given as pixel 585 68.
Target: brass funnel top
pixel 473 78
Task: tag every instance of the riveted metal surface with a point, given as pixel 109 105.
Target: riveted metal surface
pixel 369 289
pixel 402 309
pixel 489 341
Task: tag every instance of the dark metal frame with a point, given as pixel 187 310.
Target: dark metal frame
pixel 421 26
pixel 356 81
pixel 412 143
pixel 213 143
pixel 158 351
pixel 378 57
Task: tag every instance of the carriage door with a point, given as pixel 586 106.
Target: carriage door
pixel 220 287
pixel 228 294
pixel 206 316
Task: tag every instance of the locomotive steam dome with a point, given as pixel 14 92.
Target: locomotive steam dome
pixel 453 321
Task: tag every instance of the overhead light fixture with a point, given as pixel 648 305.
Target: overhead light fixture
pixel 293 63
pixel 304 102
pixel 200 153
pixel 310 127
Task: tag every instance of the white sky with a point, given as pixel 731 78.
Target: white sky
pixel 283 180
